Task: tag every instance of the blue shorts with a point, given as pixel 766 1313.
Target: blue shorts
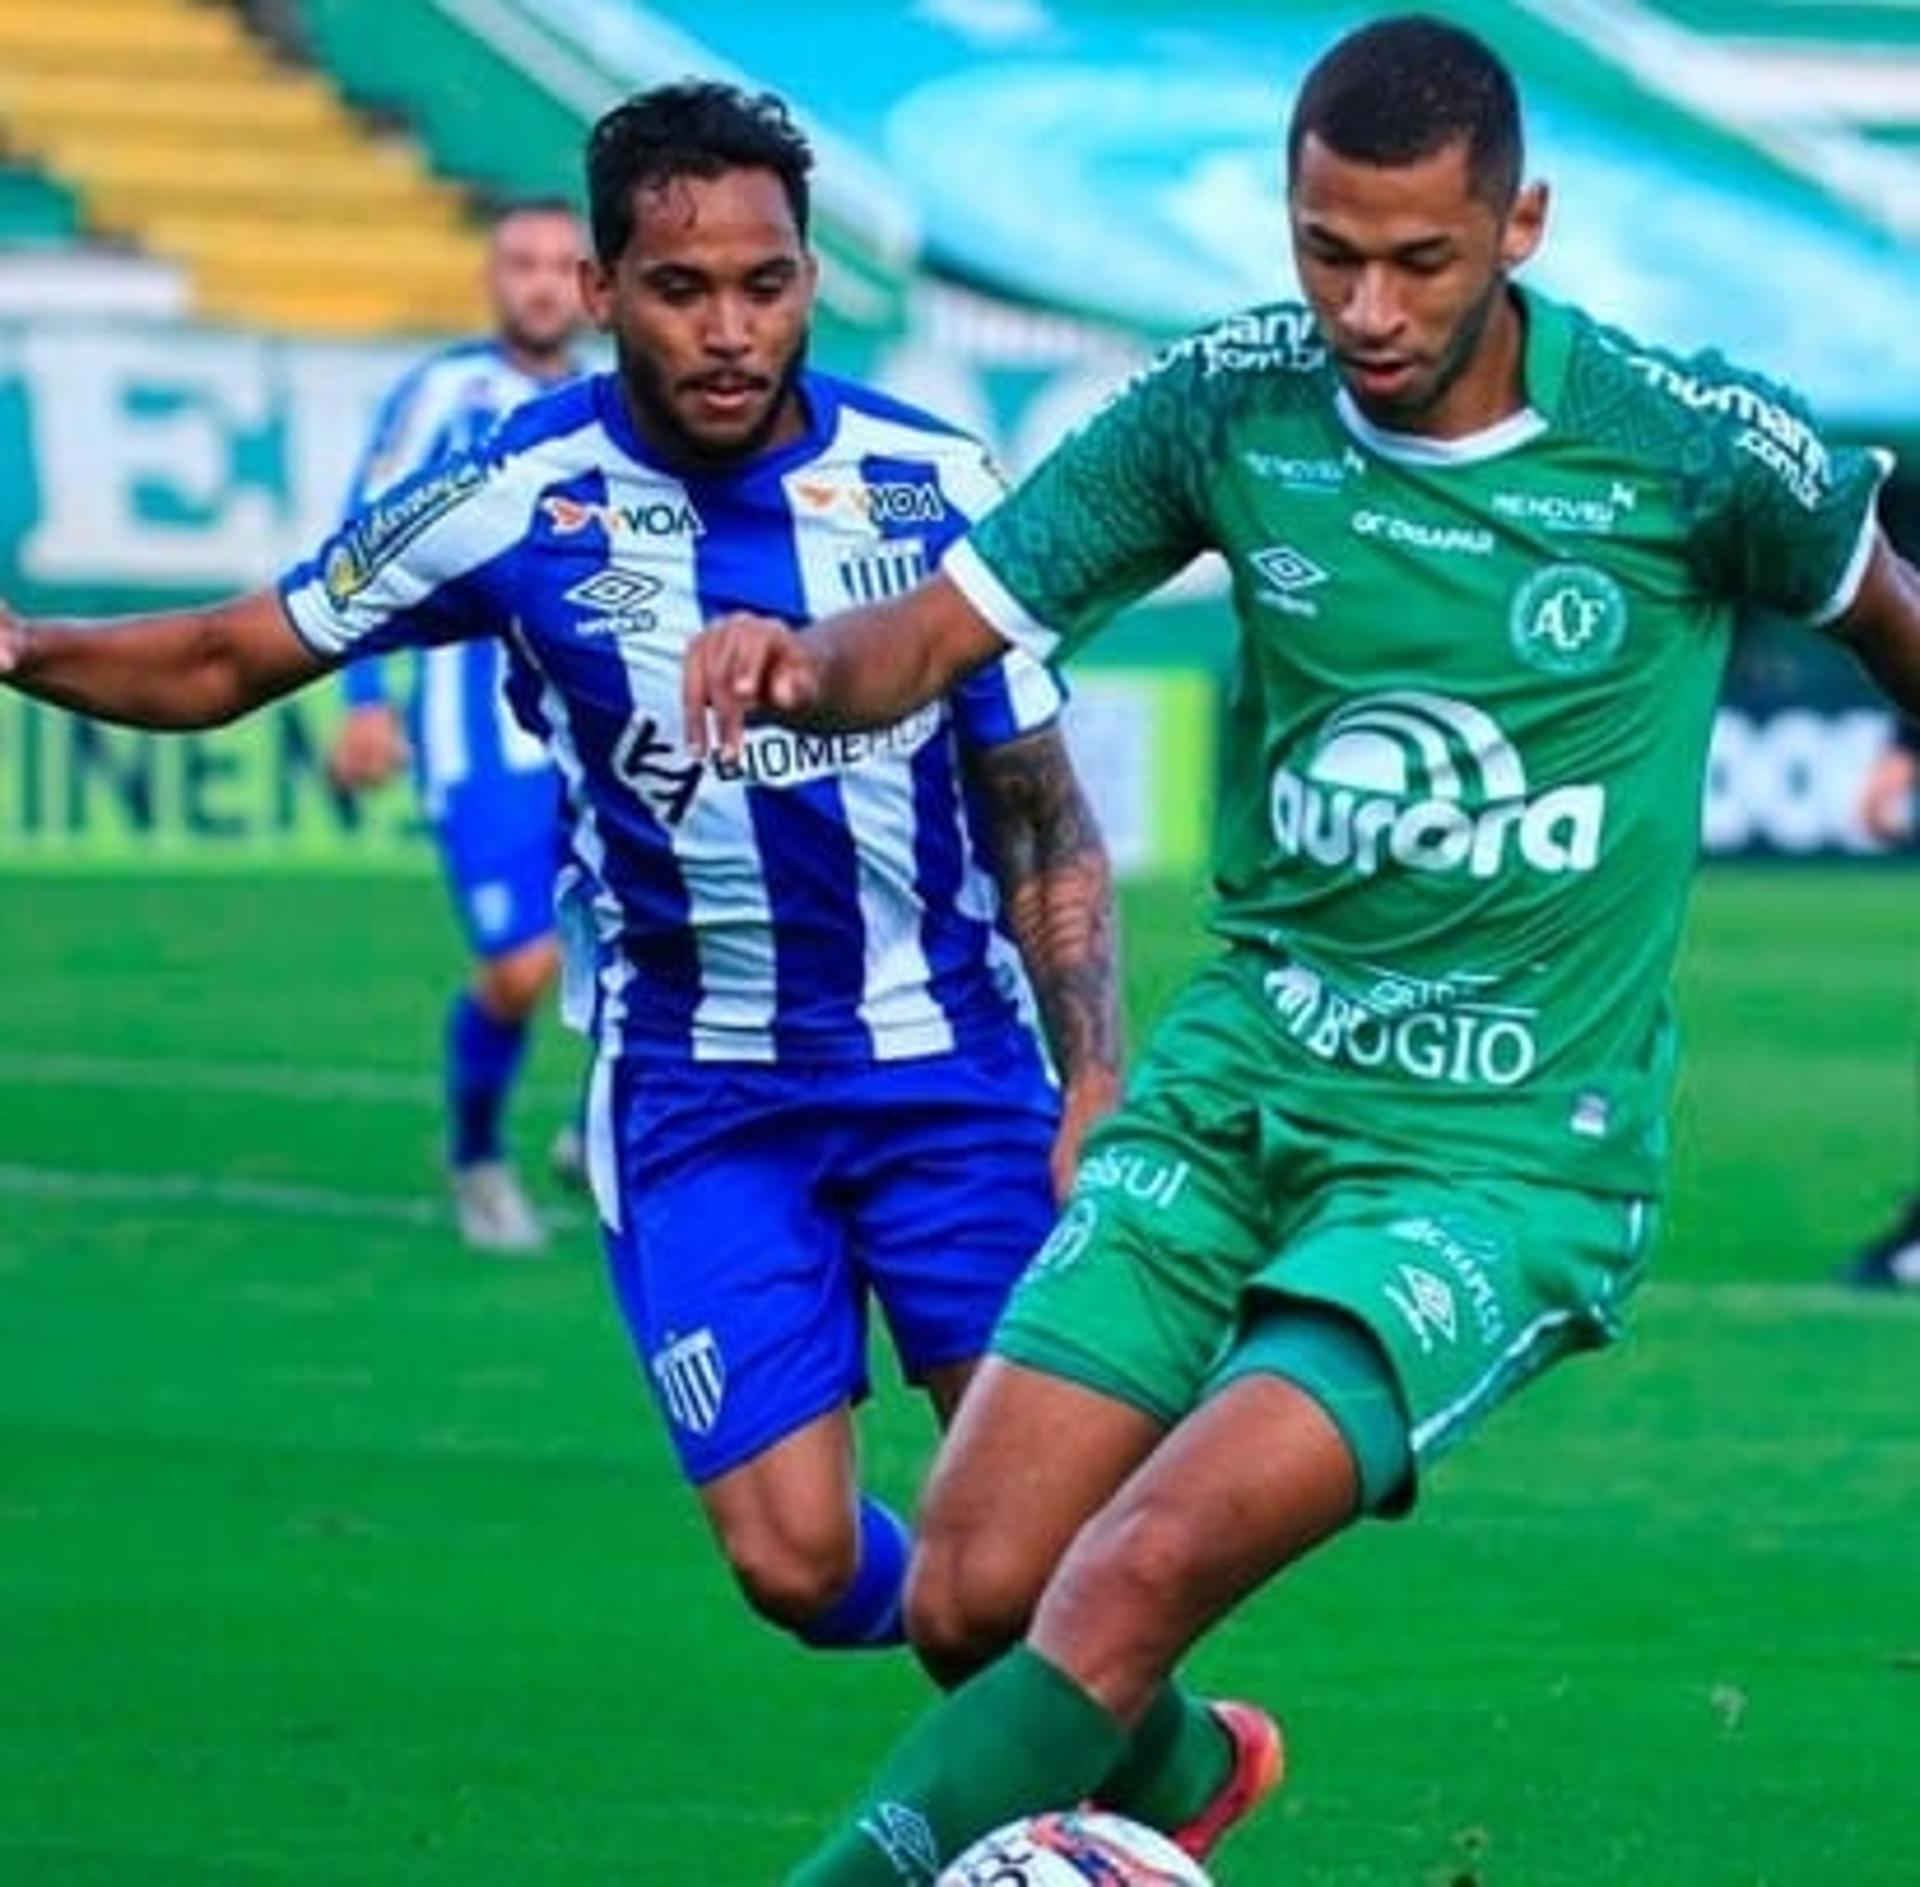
pixel 760 1209
pixel 501 846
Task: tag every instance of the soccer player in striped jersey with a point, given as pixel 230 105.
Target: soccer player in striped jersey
pixel 486 785
pixel 810 969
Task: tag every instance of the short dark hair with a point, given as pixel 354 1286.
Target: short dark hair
pixel 1403 89
pixel 505 209
pixel 697 128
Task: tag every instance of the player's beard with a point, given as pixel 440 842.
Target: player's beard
pixel 660 424
pixel 1456 357
pixel 548 347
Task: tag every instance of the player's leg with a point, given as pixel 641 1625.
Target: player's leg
pixel 1391 1326
pixel 1236 1490
pixel 748 1321
pixel 950 1198
pixel 496 840
pixel 810 1551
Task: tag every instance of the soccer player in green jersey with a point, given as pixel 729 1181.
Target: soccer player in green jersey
pixel 1396 1150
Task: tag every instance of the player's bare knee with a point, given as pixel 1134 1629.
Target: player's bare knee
pixel 1138 1558
pixel 792 1582
pixel 789 1580
pixel 966 1601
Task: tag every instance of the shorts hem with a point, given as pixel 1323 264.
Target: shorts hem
pixel 1076 1366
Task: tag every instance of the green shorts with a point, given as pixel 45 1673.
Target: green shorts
pixel 1202 1216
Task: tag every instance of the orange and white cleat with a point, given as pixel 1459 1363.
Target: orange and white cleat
pixel 1259 1762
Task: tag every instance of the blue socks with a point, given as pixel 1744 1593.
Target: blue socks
pixel 868 1615
pixel 483 1056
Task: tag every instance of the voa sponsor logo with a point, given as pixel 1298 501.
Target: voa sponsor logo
pixel 1431 784
pixel 854 500
pixel 654 517
pixel 1428 1029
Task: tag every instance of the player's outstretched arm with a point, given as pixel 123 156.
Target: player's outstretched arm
pixel 180 669
pixel 864 668
pixel 1883 625
pixel 1057 887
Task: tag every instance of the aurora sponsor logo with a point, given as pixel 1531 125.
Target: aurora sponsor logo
pixel 1430 784
pixel 1431 1029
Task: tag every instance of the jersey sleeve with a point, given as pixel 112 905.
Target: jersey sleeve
pixel 420 565
pixel 1017 695
pixel 1790 518
pixel 1114 511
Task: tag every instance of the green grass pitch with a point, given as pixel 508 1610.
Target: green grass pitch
pixel 329 1553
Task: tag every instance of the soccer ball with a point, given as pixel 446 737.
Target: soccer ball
pixel 1070 1850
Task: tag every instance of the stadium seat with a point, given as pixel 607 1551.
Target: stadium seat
pixel 174 128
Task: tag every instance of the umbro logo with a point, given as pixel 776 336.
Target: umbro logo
pixel 621 600
pixel 1290 574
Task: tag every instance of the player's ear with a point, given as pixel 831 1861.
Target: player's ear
pixel 1526 224
pixel 596 292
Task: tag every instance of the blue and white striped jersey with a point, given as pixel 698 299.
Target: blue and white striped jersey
pixel 461 726
pixel 823 899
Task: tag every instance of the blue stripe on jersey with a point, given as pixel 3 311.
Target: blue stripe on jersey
pixel 636 865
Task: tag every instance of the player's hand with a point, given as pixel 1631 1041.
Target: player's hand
pixel 1090 1096
pixel 738 666
pixel 369 749
pixel 1886 801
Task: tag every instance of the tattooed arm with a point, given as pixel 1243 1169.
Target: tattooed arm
pixel 1057 888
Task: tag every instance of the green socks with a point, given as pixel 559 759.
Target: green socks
pixel 1178 1761
pixel 1020 1736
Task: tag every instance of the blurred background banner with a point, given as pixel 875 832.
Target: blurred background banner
pixel 226 229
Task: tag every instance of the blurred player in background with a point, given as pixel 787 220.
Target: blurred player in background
pixel 819 1084
pixel 1395 1150
pixel 486 785
pixel 1888 806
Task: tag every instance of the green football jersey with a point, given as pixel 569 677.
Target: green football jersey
pixel 1471 705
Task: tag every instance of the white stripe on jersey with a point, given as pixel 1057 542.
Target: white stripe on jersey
pixel 896 1005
